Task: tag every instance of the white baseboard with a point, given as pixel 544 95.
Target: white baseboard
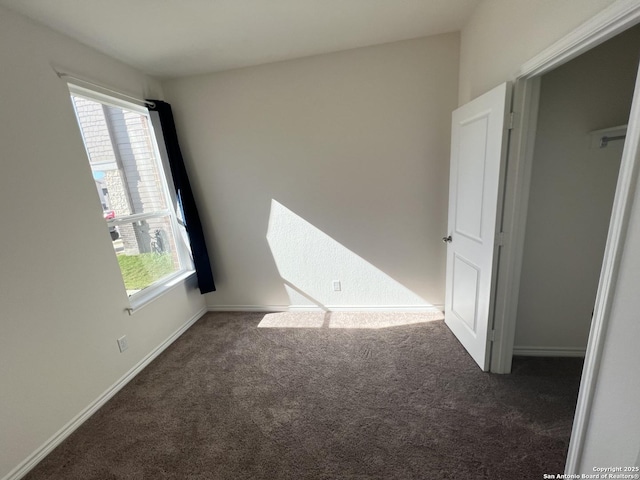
pixel 247 308
pixel 32 460
pixel 549 351
pixel 329 308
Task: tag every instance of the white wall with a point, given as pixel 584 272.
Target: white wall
pixel 61 293
pixel 500 37
pixel 355 145
pixel 572 190
pixel 503 34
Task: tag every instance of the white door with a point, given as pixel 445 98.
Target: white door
pixel 478 149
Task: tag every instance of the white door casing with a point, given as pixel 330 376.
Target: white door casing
pixel 479 139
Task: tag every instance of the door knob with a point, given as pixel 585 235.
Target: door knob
pixel 447 239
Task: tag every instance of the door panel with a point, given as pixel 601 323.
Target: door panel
pixel 464 305
pixel 478 149
pixel 471 167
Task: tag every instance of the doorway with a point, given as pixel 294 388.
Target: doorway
pixel 572 188
pixel 617 19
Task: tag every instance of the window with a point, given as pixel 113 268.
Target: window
pixel 148 237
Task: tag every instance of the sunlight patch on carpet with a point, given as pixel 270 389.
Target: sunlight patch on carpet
pixel 346 320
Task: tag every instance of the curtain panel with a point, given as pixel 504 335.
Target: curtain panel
pixel 184 194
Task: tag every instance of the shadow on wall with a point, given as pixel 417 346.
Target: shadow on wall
pixel 319 272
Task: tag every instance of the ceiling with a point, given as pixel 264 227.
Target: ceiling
pixel 171 38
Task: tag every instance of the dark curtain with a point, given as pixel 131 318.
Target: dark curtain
pixel 185 197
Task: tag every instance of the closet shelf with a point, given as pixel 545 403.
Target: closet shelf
pixel 602 138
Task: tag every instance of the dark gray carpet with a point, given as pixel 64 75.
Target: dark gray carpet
pixel 229 400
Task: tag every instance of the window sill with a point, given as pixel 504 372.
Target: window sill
pixel 148 295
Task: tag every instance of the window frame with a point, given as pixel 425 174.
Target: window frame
pixel 183 251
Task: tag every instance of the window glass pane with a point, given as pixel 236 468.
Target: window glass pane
pixel 146 251
pixel 122 158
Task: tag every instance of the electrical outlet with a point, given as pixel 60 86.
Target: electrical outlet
pixel 337 287
pixel 123 343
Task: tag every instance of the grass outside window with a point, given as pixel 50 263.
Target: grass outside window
pixel 140 271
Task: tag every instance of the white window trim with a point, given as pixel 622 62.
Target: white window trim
pixel 142 298
pixel 156 290
pixel 96 96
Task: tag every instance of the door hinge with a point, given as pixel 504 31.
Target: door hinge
pixel 500 239
pixel 492 336
pixel 512 120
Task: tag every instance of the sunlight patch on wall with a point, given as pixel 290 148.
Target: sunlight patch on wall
pixel 310 263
